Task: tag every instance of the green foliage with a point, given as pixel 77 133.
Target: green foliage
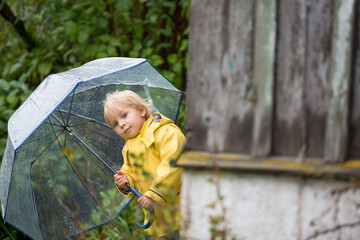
pixel 122 228
pixel 68 34
pixel 8 233
pixel 12 94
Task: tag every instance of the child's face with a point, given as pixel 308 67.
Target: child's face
pixel 127 121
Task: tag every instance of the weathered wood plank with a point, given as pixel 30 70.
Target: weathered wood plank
pixel 220 110
pixel 264 58
pixel 354 151
pixel 337 121
pixel 289 124
pixel 355 120
pixel 345 171
pixel 318 56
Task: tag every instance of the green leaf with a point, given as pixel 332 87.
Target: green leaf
pixel 162 45
pixel 101 55
pixel 133 54
pixel 15 84
pixel 23 77
pixel 23 97
pixel 66 14
pixel 2 150
pixel 71 29
pixel 166 32
pixel 122 5
pixel 89 11
pixel 2 102
pixel 168 4
pixel 101 48
pixel 60 47
pixel 6 70
pixel 169 75
pixel 2 125
pixel 102 23
pixel 111 51
pixel 21 85
pixel 186 63
pixel 91 50
pixel 4 85
pixel 149 43
pixel 156 60
pixel 153 18
pixel 38 51
pixel 15 67
pixel 104 38
pixel 115 42
pixel 83 36
pixel 186 31
pixel 147 52
pixel 12 99
pixel 34 61
pixel 44 68
pixel 139 29
pixel 171 58
pixel 57 31
pixel 68 53
pixel 184 45
pixel 177 67
pixel 2 36
pixel 8 112
pixel 137 47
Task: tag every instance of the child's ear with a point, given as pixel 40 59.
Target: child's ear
pixel 143 111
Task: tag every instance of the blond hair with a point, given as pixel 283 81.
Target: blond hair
pixel 127 97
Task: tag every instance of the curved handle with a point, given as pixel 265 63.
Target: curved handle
pixel 151 210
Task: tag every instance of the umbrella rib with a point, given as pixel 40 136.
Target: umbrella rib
pixel 35 139
pixel 56 137
pixel 65 139
pixel 71 103
pixel 34 201
pixel 87 118
pixel 93 152
pixel 52 124
pixel 86 146
pixel 79 124
pixel 62 118
pixel 81 180
pixel 84 104
pixel 57 119
pixel 78 175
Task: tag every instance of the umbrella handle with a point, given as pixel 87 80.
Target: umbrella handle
pixel 151 210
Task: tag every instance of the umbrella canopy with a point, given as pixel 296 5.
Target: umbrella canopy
pixel 56 178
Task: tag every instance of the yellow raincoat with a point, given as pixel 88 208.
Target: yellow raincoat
pixel 147 166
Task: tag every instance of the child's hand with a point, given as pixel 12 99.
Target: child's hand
pixel 121 180
pixel 146 202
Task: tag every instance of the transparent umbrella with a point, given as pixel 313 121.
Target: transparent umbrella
pixel 56 178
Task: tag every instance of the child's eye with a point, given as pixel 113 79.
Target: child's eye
pixel 124 115
pixel 115 124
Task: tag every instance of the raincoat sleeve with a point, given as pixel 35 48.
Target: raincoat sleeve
pixel 169 144
pixel 127 169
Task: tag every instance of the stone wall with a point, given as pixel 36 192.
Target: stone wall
pixel 264 206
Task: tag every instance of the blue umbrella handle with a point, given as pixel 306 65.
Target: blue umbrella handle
pixel 151 210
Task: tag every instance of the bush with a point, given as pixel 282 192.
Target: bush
pixel 67 34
